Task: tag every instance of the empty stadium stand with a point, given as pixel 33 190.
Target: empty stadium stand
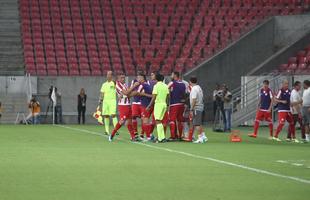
pixel 76 37
pixel 299 64
pixel 11 52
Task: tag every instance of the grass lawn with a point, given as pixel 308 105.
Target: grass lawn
pixel 76 162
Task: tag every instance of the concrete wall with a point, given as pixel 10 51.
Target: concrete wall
pixel 69 87
pixel 290 28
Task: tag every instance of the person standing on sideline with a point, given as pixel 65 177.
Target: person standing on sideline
pixel 196 110
pixel 160 96
pixel 58 108
pixel 227 108
pixel 108 100
pixel 296 103
pixel 264 109
pixel 82 97
pixel 306 109
pixel 283 99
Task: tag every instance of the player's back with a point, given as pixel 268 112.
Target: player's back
pixel 161 90
pixel 177 92
pixel 146 88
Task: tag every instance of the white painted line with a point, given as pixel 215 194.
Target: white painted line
pixel 281 161
pixel 260 171
pixel 297 164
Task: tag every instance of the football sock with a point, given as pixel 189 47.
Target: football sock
pixel 280 126
pixel 160 132
pixel 292 130
pixel 107 124
pixel 117 126
pixel 115 121
pixel 131 131
pixel 172 129
pixel 135 125
pixel 256 126
pixel 180 129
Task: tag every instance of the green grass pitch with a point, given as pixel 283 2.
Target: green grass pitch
pixel 49 162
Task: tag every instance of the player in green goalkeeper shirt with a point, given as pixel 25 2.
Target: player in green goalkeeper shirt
pixel 108 99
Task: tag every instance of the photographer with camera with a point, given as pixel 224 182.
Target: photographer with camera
pixel 218 102
pixel 227 97
pixel 35 109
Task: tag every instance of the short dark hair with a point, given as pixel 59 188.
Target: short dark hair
pixel 177 74
pixel 307 83
pixel 193 79
pixel 297 83
pixel 142 74
pixel 266 82
pixel 159 77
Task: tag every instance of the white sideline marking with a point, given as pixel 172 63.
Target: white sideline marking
pixel 281 161
pixel 298 164
pixel 260 171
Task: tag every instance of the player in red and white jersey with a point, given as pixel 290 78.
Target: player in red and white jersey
pixel 124 107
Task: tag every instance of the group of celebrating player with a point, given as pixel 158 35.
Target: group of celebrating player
pixel 291 106
pixel 179 104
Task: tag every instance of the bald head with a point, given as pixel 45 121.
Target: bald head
pixel 109 75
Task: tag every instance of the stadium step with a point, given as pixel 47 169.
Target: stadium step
pixel 11 105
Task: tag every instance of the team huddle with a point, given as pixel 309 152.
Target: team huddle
pixel 291 106
pixel 178 104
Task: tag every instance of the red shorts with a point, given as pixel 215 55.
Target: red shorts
pixel 285 116
pixel 263 116
pixel 145 113
pixel 124 112
pixel 176 112
pixel 136 110
pixel 165 120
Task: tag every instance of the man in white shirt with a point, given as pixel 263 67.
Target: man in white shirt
pixel 306 108
pixel 296 103
pixel 196 110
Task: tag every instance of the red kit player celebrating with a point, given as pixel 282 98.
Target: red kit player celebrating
pixel 145 92
pixel 176 110
pixel 124 108
pixel 135 107
pixel 264 109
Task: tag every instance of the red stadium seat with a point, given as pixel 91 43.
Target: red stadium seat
pixel 91 33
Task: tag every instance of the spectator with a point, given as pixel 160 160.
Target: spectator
pixel 82 97
pixel 306 108
pixel 58 108
pixel 227 108
pixel 218 104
